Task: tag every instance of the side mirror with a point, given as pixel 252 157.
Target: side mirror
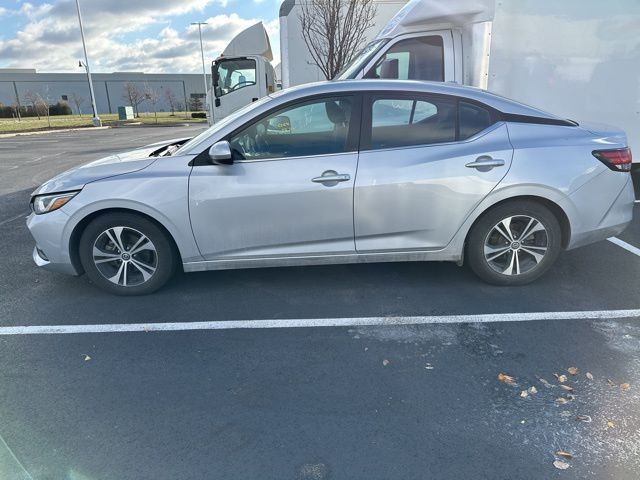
pixel 220 153
pixel 279 124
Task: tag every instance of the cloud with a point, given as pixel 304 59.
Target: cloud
pixel 116 40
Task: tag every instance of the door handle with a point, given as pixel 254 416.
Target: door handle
pixel 485 163
pixel 331 177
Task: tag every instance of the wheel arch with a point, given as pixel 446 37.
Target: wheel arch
pixel 78 229
pixel 558 212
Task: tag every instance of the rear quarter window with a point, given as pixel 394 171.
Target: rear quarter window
pixel 472 119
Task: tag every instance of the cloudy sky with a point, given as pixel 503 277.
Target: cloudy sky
pixel 126 35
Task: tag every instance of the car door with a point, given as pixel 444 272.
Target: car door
pixel 426 162
pixel 289 191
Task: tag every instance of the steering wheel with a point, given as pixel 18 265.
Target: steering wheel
pixel 241 84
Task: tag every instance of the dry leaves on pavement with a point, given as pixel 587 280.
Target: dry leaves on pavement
pixel 589 375
pixel 567 388
pixel 563 454
pixel 624 387
pixel 572 370
pixel 560 465
pixel 385 362
pixel 504 378
pixel 611 424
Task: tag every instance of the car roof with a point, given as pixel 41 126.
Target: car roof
pixel 498 102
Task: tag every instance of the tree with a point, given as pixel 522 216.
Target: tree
pixel 195 104
pixel 37 103
pixel 133 95
pixel 334 31
pixel 171 99
pixel 152 96
pixel 78 100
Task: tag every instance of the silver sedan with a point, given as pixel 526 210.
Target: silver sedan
pixel 343 172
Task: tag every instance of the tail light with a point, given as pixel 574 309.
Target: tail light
pixel 618 159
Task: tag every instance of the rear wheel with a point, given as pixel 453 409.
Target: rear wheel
pixel 514 243
pixel 126 254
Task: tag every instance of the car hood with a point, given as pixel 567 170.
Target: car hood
pixel 118 164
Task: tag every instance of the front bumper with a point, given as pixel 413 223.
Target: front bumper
pixel 52 242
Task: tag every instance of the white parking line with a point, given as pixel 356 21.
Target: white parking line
pixel 316 322
pixel 625 245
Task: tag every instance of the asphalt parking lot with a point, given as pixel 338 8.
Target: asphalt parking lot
pixel 416 400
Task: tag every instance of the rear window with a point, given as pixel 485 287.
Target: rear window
pixel 401 122
pixel 473 119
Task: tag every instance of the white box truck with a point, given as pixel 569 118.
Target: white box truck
pixel 575 58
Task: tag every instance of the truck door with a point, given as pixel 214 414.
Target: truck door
pixel 235 84
pixel 418 56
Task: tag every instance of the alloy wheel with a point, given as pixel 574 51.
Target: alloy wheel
pixel 516 245
pixel 125 256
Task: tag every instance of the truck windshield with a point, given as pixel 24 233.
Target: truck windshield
pixel 233 74
pixel 361 59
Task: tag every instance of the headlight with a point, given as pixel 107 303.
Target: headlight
pixel 48 203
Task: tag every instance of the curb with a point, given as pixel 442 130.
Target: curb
pixel 53 130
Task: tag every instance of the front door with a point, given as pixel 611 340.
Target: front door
pixel 289 191
pixel 236 84
pixel 422 171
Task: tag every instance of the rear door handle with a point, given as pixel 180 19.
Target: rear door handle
pixel 331 177
pixel 485 163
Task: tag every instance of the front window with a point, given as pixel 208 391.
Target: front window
pixel 317 127
pixel 419 58
pixel 234 74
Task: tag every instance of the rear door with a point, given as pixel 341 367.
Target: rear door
pixel 425 163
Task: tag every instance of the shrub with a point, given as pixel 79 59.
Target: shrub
pixel 198 115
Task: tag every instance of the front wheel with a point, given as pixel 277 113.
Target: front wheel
pixel 514 243
pixel 126 254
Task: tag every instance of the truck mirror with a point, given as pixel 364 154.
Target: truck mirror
pixel 279 124
pixel 220 153
pixel 389 69
pixel 217 91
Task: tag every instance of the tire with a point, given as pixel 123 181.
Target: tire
pixel 142 268
pixel 522 260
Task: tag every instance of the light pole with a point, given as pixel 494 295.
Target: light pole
pixel 204 73
pixel 96 120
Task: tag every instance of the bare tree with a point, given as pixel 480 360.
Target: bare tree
pixel 171 100
pixel 78 100
pixel 35 100
pixel 133 95
pixel 152 96
pixel 334 31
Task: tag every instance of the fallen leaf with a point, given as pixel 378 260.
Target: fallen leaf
pixel 561 400
pixel 385 362
pixel 560 465
pixel 533 390
pixel 544 382
pixel 583 418
pixel 506 379
pixel 86 357
pixel 561 378
pixel 563 454
pixel 589 376
pixel 524 393
pixel 624 387
pixel 572 370
pixel 366 348
pixel 610 382
pixel 610 424
pixel 567 388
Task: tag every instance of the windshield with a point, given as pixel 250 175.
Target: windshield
pixel 361 59
pixel 188 148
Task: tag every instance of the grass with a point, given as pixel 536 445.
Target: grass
pixel 27 124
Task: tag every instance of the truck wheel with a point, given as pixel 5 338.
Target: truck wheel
pixel 514 243
pixel 126 254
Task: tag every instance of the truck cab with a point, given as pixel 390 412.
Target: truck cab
pixel 240 75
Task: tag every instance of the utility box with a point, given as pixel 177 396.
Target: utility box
pixel 125 113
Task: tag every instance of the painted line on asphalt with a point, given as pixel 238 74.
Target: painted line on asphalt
pixel 625 245
pixel 316 322
pixel 9 220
